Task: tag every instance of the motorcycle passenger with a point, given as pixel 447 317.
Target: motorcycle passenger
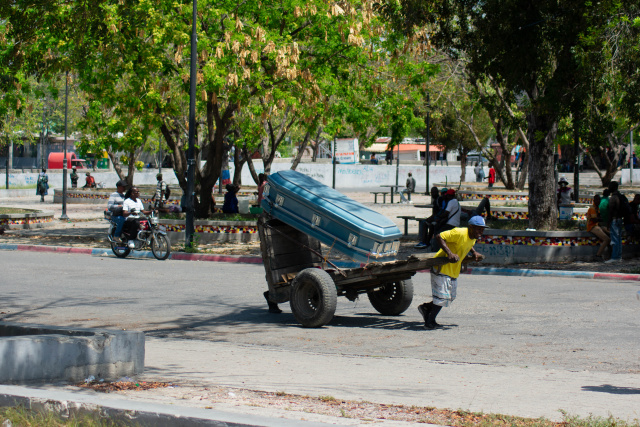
pixel 132 208
pixel 115 206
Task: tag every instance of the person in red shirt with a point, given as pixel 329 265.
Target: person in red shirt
pixel 90 182
pixel 492 176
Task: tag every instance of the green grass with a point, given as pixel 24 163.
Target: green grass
pixel 4 211
pixel 19 416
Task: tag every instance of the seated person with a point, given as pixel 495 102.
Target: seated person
pixel 593 226
pixel 374 160
pixel 411 187
pixel 132 208
pixel 90 182
pixel 447 219
pixel 632 221
pixel 468 213
pixel 565 193
pixel 115 206
pixel 230 199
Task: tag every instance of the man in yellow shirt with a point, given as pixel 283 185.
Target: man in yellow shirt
pixel 455 244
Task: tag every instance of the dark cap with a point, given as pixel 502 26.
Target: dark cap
pixel 121 183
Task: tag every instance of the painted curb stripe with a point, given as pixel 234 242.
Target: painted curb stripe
pixel 62 249
pixel 616 276
pixel 180 256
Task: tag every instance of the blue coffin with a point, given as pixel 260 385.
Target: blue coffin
pixel 331 217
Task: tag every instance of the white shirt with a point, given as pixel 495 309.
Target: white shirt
pixel 130 204
pixel 453 207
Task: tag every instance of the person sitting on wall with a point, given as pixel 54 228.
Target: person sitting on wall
pixel 593 226
pixel 90 182
pixel 230 199
pixel 374 159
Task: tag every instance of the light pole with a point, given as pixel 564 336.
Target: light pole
pixel 426 154
pixel 191 173
pixel 64 159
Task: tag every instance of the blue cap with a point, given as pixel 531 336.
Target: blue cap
pixel 478 221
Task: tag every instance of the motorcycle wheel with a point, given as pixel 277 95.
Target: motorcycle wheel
pixel 121 250
pixel 160 246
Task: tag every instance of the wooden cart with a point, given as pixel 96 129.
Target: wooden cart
pixel 297 272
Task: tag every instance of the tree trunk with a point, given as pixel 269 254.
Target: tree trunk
pixel 541 133
pixel 463 163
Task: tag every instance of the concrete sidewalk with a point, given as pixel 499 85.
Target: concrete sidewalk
pixel 197 368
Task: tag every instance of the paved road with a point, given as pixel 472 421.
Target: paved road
pixel 513 321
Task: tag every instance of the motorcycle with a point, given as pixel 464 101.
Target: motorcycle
pixel 149 235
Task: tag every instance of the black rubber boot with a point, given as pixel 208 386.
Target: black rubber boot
pixel 431 321
pixel 424 310
pixel 273 307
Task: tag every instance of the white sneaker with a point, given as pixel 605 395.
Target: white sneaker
pixel 132 244
pixel 612 261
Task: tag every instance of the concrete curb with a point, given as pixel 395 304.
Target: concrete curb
pixel 181 256
pixel 32 352
pixel 141 413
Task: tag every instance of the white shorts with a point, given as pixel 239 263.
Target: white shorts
pixel 443 289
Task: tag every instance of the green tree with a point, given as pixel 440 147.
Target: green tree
pixel 528 48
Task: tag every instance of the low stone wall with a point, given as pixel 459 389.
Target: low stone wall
pixel 37 353
pixel 504 212
pixel 213 231
pixel 28 220
pixel 510 246
pixel 101 197
pixel 508 196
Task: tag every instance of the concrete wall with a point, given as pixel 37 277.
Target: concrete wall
pixel 511 246
pixel 347 176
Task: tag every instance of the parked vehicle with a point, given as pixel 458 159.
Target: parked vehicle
pixel 149 236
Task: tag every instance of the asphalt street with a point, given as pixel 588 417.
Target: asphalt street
pixel 561 323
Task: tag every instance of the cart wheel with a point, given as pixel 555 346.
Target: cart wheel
pixel 313 298
pixel 393 298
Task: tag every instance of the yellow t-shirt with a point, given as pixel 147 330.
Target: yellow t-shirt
pixel 460 244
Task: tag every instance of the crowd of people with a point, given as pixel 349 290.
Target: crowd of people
pixel 611 215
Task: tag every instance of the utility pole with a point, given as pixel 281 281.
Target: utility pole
pixel 333 158
pixel 64 160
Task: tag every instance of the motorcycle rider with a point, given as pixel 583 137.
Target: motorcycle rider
pixel 132 208
pixel 115 206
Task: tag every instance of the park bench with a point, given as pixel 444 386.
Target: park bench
pixel 376 193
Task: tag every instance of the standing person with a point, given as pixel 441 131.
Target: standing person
pixel 74 177
pixel 161 193
pixel 593 219
pixel 455 244
pixel 115 206
pixel 604 210
pixel 132 208
pixel 262 181
pixel 388 156
pixel 443 158
pixel 230 199
pixel 42 185
pixel 477 170
pixel 616 216
pixel 411 187
pixel 492 176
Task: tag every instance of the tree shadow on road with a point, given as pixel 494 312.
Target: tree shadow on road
pixel 611 389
